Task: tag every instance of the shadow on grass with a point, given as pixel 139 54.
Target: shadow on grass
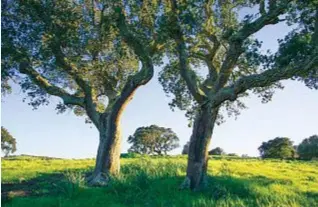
pixel 38 186
pixel 45 184
pixel 140 185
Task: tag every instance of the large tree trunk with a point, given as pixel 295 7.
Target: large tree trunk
pixel 198 150
pixel 108 154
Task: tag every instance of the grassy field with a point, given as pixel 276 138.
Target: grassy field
pixel 145 181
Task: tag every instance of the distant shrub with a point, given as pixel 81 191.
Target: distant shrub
pixel 280 147
pixel 130 155
pixel 217 151
pixel 308 148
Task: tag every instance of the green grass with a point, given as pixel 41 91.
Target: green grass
pixel 145 181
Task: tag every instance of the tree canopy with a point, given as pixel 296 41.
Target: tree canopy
pixel 215 59
pixel 93 55
pixel 308 148
pixel 214 56
pixel 85 53
pixel 153 140
pixel 280 147
pixel 8 142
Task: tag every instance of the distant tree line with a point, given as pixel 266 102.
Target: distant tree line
pixel 283 148
pixel 279 148
pixel 215 151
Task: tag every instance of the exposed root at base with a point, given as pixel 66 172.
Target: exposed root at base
pixel 99 179
pixel 185 184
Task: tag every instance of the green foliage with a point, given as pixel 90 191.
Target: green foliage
pixel 8 142
pixel 130 155
pixel 280 147
pixel 219 51
pixel 153 140
pixel 86 52
pixel 308 148
pixel 217 151
pixel 61 38
pixel 154 182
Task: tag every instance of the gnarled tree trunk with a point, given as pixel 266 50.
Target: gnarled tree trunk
pixel 108 154
pixel 198 150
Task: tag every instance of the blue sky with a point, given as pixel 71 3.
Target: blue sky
pixel 292 113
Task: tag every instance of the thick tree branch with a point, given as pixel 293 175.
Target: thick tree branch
pixel 315 34
pixel 213 72
pixel 264 79
pixel 146 72
pixel 187 74
pixel 271 17
pixel 51 89
pixel 271 76
pixel 90 105
pixel 198 55
pixel 237 39
pixel 69 68
pixel 140 78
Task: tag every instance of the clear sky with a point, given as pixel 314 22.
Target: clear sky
pixel 292 113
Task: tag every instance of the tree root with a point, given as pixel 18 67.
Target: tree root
pixel 98 179
pixel 185 184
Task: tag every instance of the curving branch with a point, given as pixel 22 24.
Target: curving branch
pixel 140 78
pixel 51 89
pixel 271 76
pixel 90 104
pixel 262 10
pixel 264 79
pixel 187 74
pixel 237 39
pixel 146 72
pixel 62 62
pixel 271 17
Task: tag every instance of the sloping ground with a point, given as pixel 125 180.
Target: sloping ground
pixel 154 181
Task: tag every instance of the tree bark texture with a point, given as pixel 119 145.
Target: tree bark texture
pixel 108 154
pixel 198 150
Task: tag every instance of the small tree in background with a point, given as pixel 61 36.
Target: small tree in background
pixel 217 151
pixel 153 140
pixel 308 148
pixel 185 149
pixel 232 154
pixel 8 143
pixel 280 147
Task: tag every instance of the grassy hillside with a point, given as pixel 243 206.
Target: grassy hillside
pixel 144 181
